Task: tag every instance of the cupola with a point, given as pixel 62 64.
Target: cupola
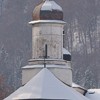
pixel 48 10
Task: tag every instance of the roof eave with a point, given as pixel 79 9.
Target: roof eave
pixel 47 21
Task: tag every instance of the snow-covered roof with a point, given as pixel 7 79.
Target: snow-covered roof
pixel 94 90
pixel 66 51
pixel 93 94
pixel 47 66
pixel 74 85
pixel 46 86
pixel 48 10
pixel 50 5
pixel 47 21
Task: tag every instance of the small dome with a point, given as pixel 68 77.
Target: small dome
pixel 48 10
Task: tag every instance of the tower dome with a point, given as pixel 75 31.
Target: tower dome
pixel 48 10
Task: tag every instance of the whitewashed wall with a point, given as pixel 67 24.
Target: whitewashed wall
pixel 50 34
pixel 63 74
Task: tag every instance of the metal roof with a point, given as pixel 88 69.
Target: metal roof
pixel 46 86
pixel 48 10
pixel 93 94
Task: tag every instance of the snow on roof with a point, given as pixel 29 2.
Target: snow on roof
pixel 50 5
pixel 66 51
pixel 47 66
pixel 93 94
pixel 95 90
pixel 46 86
pixel 47 21
pixel 74 85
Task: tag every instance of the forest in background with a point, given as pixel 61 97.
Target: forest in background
pixel 82 39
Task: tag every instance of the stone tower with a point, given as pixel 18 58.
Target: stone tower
pixel 47 44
